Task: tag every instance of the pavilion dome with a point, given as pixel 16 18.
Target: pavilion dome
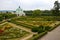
pixel 20 12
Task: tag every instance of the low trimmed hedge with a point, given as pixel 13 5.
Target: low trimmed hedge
pixel 37 36
pixel 56 25
pixel 22 24
pixel 2 22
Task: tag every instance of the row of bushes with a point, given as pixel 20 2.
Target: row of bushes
pixel 56 25
pixel 4 16
pixel 41 18
pixel 42 32
pixel 22 24
pixel 37 36
pixel 2 22
pixel 45 28
pixel 41 29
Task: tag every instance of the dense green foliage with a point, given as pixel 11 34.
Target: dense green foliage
pixel 56 10
pixel 36 12
pixel 1 18
pixel 41 18
pixel 4 16
pixel 28 13
pixel 41 29
pixel 39 13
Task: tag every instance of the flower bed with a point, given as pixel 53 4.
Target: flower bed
pixel 12 33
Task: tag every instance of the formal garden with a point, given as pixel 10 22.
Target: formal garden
pixel 7 32
pixel 37 25
pixel 30 27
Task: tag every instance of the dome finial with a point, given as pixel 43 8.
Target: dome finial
pixel 19 6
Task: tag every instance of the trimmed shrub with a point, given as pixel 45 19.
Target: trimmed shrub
pixel 36 37
pixel 34 29
pixel 47 28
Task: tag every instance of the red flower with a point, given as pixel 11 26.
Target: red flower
pixel 1 31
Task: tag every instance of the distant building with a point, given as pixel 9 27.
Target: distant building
pixel 19 12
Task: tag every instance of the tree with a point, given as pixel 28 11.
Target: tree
pixel 1 18
pixel 8 15
pixel 29 13
pixel 36 12
pixel 55 11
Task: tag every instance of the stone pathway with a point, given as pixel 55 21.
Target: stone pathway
pixel 53 35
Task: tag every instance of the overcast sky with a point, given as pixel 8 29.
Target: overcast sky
pixel 26 4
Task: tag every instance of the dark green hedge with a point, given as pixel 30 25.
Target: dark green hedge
pixel 41 29
pixel 36 37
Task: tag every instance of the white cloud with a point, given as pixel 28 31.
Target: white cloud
pixel 26 4
pixel 8 4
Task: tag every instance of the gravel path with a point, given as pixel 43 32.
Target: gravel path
pixel 53 35
pixel 3 23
